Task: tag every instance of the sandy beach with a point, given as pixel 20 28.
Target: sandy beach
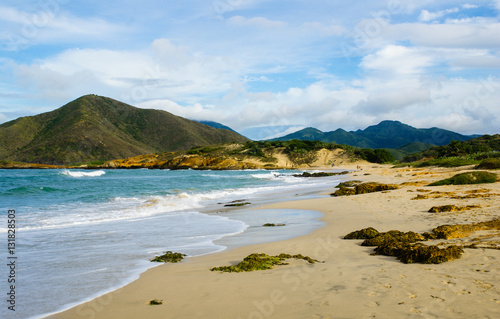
pixel 350 282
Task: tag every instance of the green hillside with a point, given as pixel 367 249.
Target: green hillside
pixel 96 128
pixel 479 148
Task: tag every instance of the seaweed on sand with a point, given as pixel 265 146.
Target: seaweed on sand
pixel 393 236
pixel 169 257
pixel 364 233
pixel 262 262
pixel 464 230
pixel 450 208
pixel 419 253
pixel 363 188
pixel 320 174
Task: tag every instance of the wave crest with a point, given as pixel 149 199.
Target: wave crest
pixel 83 174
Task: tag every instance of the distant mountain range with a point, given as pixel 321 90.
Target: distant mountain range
pixel 386 134
pixel 96 128
pixel 216 125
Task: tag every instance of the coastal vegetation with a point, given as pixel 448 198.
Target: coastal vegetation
pixel 458 153
pixel 466 178
pixel 262 262
pixel 490 163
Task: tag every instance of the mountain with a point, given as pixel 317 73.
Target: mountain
pixel 96 128
pixel 386 134
pixel 216 125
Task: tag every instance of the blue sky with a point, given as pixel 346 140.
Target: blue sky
pixel 251 63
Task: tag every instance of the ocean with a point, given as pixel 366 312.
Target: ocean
pixel 82 233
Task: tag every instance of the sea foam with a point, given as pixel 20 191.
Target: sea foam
pixel 83 174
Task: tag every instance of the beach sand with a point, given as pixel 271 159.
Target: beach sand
pixel 350 283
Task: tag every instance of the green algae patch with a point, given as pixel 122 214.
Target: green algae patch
pixel 363 188
pixel 407 246
pixel 374 187
pixel 464 230
pixel 468 178
pixel 237 204
pixel 419 253
pixel 365 233
pixel 155 302
pixel 320 174
pixel 255 262
pixel 393 236
pixel 451 208
pixel 169 257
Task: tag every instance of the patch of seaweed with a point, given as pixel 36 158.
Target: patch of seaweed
pixel 419 253
pixel 156 302
pixel 237 204
pixel 320 174
pixel 351 183
pixel 464 230
pixel 169 257
pixel 363 188
pixel 344 191
pixel 451 208
pixel 272 225
pixel 365 233
pixel 393 236
pixel 374 187
pixel 468 178
pixel 262 262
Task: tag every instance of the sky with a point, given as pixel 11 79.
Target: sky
pixel 270 64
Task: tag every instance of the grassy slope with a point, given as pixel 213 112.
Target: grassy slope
pixel 100 128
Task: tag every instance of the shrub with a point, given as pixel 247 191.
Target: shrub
pixel 374 156
pixel 468 178
pixel 490 163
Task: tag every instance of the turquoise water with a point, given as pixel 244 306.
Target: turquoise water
pixel 83 233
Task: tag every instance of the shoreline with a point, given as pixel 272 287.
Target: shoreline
pixel 349 284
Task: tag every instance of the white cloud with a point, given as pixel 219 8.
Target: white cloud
pixel 49 23
pixel 289 130
pixel 429 16
pixel 396 59
pixel 476 33
pixel 469 6
pixel 393 101
pixel 161 70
